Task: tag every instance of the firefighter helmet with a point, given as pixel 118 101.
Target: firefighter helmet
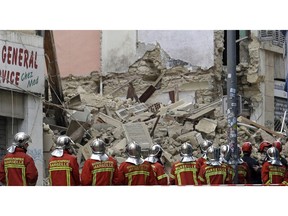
pixel 63 143
pixel 98 146
pixel 186 152
pixel 155 152
pixel 98 150
pixel 247 147
pixel 133 151
pixel 225 153
pixel 273 156
pixel 205 145
pixel 213 155
pixel 263 145
pixel 277 144
pixel 20 140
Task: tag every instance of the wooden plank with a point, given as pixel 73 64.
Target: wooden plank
pixel 154 127
pixel 247 121
pixel 109 120
pixel 147 94
pixel 125 84
pixel 54 77
pixel 172 96
pixel 201 113
pixel 151 89
pixel 163 110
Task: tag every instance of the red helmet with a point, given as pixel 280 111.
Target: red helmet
pixel 263 145
pixel 247 147
pixel 278 145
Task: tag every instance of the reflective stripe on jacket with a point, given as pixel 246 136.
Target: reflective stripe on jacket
pixel 18 169
pixel 64 171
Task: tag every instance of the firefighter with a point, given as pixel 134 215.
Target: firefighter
pixel 253 164
pixel 185 171
pixel 278 145
pixel 244 176
pixel 158 167
pixel 63 166
pixel 263 147
pixel 213 172
pixel 17 167
pixel 100 169
pixel 225 155
pixel 203 147
pixel 136 171
pixel 273 171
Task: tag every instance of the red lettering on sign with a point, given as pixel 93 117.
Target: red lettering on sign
pixel 19 56
pixel 9 77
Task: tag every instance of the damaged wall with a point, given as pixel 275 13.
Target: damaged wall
pixel 118 50
pixel 256 75
pixel 194 47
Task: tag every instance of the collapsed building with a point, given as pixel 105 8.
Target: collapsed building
pixel 169 101
pixel 148 91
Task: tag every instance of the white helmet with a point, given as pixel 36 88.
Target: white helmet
pixel 63 142
pixel 98 150
pixel 20 140
pixel 133 151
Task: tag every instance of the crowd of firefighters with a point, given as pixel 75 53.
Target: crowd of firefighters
pixel 216 166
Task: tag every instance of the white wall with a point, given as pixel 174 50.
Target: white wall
pixel 192 46
pixel 118 50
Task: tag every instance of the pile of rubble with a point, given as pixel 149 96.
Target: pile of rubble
pixel 119 120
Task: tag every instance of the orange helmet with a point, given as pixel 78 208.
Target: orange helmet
pixel 247 147
pixel 278 145
pixel 263 145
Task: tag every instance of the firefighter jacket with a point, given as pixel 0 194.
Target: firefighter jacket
pixel 95 172
pixel 184 173
pixel 64 170
pixel 201 161
pixel 274 174
pixel 161 176
pixel 255 176
pixel 230 173
pixel 213 175
pixel 243 173
pixel 18 169
pixel 131 174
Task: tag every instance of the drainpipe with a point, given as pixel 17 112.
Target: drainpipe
pixel 232 100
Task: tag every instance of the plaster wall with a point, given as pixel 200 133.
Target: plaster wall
pixel 78 51
pixel 192 46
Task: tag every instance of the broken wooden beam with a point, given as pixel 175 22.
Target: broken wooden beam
pixel 201 113
pixel 247 121
pixel 151 89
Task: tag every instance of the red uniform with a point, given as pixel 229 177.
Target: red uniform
pixel 213 175
pixel 64 171
pixel 230 173
pixel 131 174
pixel 201 161
pixel 161 176
pixel 95 172
pixel 273 174
pixel 18 169
pixel 243 173
pixel 184 173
